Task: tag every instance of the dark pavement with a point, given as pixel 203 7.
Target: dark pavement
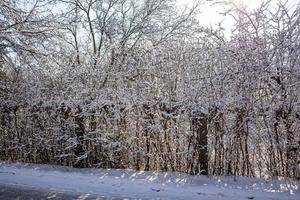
pixel 15 192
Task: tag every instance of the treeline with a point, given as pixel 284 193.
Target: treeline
pixel 158 136
pixel 140 84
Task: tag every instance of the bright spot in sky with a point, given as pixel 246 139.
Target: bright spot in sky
pixel 210 11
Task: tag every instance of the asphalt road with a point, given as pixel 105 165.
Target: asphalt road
pixel 13 192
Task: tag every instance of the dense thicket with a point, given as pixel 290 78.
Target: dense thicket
pixel 139 84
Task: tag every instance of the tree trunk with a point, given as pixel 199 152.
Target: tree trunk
pixel 79 131
pixel 199 127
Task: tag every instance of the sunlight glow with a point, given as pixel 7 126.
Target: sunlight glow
pixel 210 10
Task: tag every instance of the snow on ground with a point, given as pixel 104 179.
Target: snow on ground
pixel 146 185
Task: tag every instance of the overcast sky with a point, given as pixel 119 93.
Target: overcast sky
pixel 209 11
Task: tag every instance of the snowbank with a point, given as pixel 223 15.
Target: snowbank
pixel 145 185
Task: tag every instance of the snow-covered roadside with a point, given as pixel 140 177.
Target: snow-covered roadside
pixel 145 185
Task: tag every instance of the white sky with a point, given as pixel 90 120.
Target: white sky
pixel 209 13
pixel 209 10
